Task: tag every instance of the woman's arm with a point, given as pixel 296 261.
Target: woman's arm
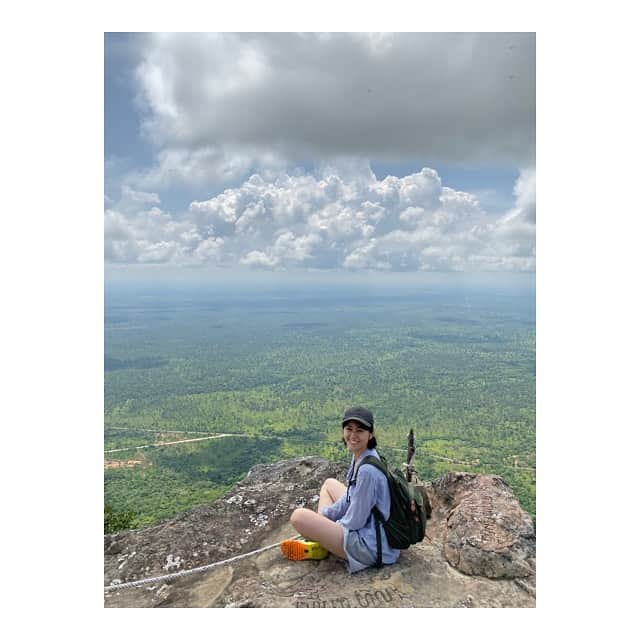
pixel 336 510
pixel 363 498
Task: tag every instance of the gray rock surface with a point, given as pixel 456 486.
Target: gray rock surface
pixel 485 532
pixel 479 550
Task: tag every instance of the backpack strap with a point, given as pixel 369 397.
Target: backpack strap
pixel 378 463
pixel 377 516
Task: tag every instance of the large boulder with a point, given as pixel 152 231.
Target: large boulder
pixel 483 528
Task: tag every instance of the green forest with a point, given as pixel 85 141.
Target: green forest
pixel 271 372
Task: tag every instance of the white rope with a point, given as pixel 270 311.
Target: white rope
pixel 171 576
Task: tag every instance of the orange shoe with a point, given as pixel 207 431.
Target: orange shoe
pixel 303 550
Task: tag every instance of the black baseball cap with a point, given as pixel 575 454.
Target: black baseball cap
pixel 361 415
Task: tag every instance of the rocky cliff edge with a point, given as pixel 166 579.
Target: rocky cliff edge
pixel 479 550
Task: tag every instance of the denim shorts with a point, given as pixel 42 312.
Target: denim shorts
pixel 358 555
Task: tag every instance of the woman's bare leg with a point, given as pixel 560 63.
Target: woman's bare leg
pixel 318 528
pixel 331 492
pixel 315 527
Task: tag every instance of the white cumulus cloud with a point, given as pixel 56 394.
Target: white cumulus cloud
pixel 329 221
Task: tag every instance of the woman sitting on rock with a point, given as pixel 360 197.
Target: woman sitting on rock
pixel 344 524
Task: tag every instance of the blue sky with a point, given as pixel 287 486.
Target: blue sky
pixel 334 153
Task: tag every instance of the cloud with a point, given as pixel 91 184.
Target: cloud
pixel 515 232
pixel 137 197
pixel 137 234
pixel 329 221
pixel 203 167
pixel 220 104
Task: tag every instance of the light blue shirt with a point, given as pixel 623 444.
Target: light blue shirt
pixel 353 509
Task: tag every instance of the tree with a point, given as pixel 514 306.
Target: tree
pixel 117 520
